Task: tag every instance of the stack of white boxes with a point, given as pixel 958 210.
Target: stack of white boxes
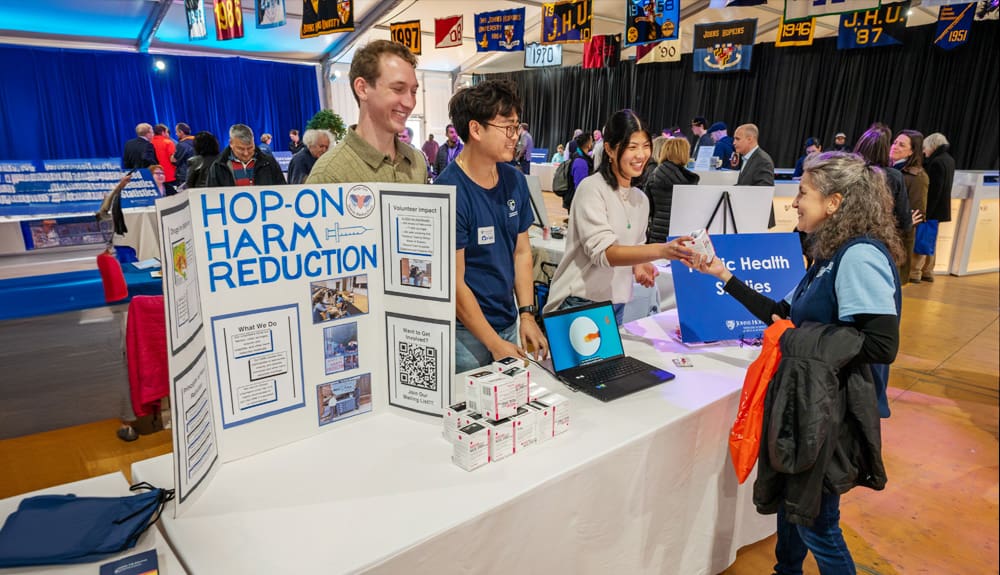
pixel 503 413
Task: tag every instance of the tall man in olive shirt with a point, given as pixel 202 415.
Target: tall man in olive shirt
pixel 384 82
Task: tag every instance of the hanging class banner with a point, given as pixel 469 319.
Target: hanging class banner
pixel 539 56
pixel 725 46
pixel 228 20
pixel 927 3
pixel 448 31
pixel 802 9
pixel 719 4
pixel 954 22
pixel 669 51
pixel 566 22
pixel 651 21
pixel 798 33
pixel 500 31
pixel 407 34
pixel 602 51
pixel 195 11
pixel 872 28
pixel 270 13
pixel 326 17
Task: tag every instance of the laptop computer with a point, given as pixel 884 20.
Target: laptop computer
pixel 587 353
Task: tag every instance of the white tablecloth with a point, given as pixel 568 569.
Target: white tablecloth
pixel 544 172
pixel 639 485
pixel 110 485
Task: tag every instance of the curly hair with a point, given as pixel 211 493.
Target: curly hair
pixel 865 210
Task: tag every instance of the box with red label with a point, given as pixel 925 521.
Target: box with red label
pixel 559 405
pixel 525 434
pixel 472 384
pixel 543 421
pixel 522 380
pixel 452 420
pixel 471 448
pixel 498 397
pixel 501 438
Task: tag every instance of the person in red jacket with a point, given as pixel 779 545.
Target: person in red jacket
pixel 165 149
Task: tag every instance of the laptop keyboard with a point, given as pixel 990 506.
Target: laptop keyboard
pixel 616 369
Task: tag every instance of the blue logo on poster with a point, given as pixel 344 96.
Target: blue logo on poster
pixel 771 264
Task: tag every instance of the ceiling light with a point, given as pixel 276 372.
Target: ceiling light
pixel 160 65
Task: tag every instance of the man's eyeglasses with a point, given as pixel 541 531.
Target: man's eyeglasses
pixel 509 131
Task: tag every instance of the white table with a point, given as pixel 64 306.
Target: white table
pixel 110 485
pixel 544 171
pixel 639 485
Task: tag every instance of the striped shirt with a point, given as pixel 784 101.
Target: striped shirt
pixel 243 173
pixel 355 160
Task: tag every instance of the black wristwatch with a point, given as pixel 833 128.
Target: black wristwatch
pixel 530 309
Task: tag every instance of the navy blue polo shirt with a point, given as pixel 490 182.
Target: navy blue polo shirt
pixel 487 224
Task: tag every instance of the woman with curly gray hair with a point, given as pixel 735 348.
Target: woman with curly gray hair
pixel 846 208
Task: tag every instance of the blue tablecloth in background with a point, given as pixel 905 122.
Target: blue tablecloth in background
pixel 55 293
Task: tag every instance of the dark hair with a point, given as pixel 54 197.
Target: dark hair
pixel 160 129
pixel 205 144
pixel 481 103
pixel 916 160
pixel 583 139
pixel 183 128
pixel 293 132
pixel 367 60
pixel 812 141
pixel 873 146
pixel 618 131
pixel 699 121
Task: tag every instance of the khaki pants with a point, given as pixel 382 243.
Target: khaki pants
pixel 922 266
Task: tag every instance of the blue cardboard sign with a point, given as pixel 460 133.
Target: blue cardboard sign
pixel 772 264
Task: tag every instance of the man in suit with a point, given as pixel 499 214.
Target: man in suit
pixel 756 167
pixel 139 151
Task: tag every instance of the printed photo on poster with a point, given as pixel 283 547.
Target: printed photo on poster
pixel 258 359
pixel 340 347
pixel 416 233
pixel 344 398
pixel 415 272
pixel 339 298
pixel 181 285
pixel 420 362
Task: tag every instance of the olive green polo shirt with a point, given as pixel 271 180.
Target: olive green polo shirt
pixel 355 160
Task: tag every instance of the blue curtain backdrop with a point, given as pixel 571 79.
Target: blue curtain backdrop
pixel 57 103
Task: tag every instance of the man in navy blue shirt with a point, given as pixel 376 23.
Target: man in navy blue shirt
pixel 493 214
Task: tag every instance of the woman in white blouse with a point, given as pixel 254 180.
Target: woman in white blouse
pixel 606 247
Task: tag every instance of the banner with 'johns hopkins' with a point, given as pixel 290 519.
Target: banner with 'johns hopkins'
pixel 769 263
pixel 724 46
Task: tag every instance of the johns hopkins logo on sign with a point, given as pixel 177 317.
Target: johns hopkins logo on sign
pixel 769 263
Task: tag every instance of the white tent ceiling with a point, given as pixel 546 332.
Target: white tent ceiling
pixel 159 26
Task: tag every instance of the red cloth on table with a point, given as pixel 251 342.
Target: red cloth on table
pixel 146 348
pixel 112 278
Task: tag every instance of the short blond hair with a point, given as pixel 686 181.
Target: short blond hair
pixel 676 151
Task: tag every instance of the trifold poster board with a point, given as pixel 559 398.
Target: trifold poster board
pixel 693 206
pixel 293 308
pixel 772 264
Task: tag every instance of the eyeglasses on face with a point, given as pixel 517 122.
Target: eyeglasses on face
pixel 509 131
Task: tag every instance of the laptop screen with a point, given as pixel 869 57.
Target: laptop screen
pixel 582 335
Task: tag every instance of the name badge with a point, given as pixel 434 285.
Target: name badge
pixel 486 236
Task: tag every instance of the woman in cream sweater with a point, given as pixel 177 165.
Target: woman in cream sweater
pixel 606 246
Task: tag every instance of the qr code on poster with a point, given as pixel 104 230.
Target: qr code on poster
pixel 418 366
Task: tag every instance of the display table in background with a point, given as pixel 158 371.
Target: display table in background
pixel 645 301
pixel 110 485
pixel 544 171
pixel 639 485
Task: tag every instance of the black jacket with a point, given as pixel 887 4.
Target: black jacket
pixel 660 191
pixel 139 153
pixel 941 171
pixel 821 429
pixel 197 172
pixel 266 171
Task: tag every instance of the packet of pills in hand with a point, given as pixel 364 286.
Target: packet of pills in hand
pixel 702 244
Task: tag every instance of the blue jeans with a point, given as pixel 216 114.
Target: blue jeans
pixel 470 353
pixel 824 539
pixel 574 301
